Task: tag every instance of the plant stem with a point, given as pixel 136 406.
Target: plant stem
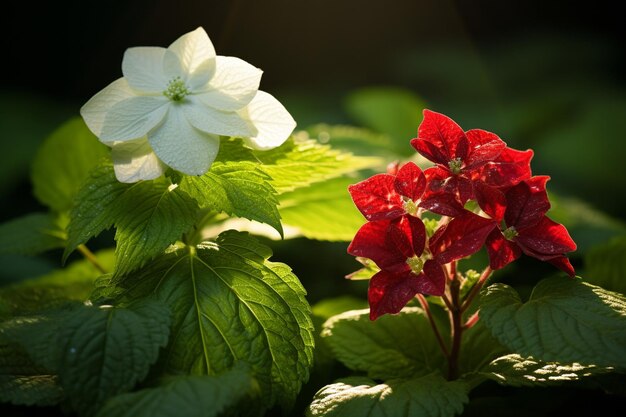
pixel 456 330
pixel 84 250
pixel 431 319
pixel 477 287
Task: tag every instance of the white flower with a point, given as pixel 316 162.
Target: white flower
pixel 172 105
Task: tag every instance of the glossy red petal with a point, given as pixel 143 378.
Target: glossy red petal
pixel 527 203
pixel 376 197
pixel 442 203
pixel 511 167
pixel 388 293
pixel 463 236
pixel 484 147
pixel 462 149
pixel 410 181
pixel 490 200
pixel 545 240
pixel 371 242
pixel 433 279
pixel 442 132
pixel 501 251
pixel 430 151
pixel 407 235
pixel 563 264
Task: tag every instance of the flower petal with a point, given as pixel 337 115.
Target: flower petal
pixel 433 279
pixel 527 202
pixel 134 161
pixel 133 118
pixel 484 147
pixel 196 58
pixel 272 121
pixel 463 236
pixel 441 132
pixel 183 147
pixel 376 197
pixel 414 231
pixel 410 181
pixel 143 68
pixel 216 122
pixel 563 264
pixel 511 167
pixel 371 242
pixel 490 200
pixel 545 240
pixel 388 293
pixel 233 86
pixel 501 251
pixel 95 110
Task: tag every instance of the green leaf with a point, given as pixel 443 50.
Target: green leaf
pixel 238 189
pixel 24 383
pixel 189 396
pixel 106 350
pixel 479 348
pixel 392 111
pixel 31 234
pixel 394 346
pixel 230 304
pixel 63 162
pixel 323 211
pixel 428 396
pixel 605 265
pixel 357 140
pixel 75 282
pixel 564 321
pixel 514 370
pixel 333 306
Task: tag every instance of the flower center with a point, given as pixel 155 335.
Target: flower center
pixel 510 233
pixel 409 206
pixel 455 165
pixel 416 264
pixel 176 89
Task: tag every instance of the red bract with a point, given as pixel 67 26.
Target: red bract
pixel 526 229
pixel 388 196
pixel 397 247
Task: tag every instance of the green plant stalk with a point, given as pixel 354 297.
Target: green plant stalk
pixel 84 250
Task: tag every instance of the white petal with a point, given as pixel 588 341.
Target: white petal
pixel 273 122
pixel 95 110
pixel 216 122
pixel 196 56
pixel 143 68
pixel 234 84
pixel 183 147
pixel 135 161
pixel 133 118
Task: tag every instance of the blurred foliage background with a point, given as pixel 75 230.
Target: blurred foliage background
pixel 544 75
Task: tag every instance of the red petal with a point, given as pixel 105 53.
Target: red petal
pixel 563 263
pixel 410 181
pixel 389 292
pixel 545 240
pixel 407 235
pixel 501 251
pixel 442 203
pixel 527 203
pixel 484 147
pixel 433 279
pixel 443 135
pixel 440 180
pixel 463 236
pixel 511 167
pixel 490 200
pixel 371 242
pixel 377 198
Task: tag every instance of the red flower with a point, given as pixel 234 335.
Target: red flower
pixel 527 229
pixel 388 196
pixel 397 247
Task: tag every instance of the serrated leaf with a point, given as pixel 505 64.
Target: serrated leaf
pixel 394 346
pixel 63 163
pixel 605 265
pixel 229 304
pixel 517 371
pixel 24 383
pixel 75 282
pixel 428 396
pixel 31 234
pixel 189 396
pixel 322 211
pixel 238 189
pixel 106 350
pixel 564 321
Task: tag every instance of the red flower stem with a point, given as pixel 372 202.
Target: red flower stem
pixel 456 317
pixel 471 321
pixel 477 287
pixel 426 308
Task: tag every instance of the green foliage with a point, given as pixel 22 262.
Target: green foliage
pixel 63 162
pixel 229 304
pixel 363 345
pixel 605 265
pixel 189 396
pixel 564 321
pixel 323 211
pixel 357 140
pixel 428 396
pixel 31 234
pixel 330 307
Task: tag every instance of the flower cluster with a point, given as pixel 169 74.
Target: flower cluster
pixel 483 194
pixel 172 105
